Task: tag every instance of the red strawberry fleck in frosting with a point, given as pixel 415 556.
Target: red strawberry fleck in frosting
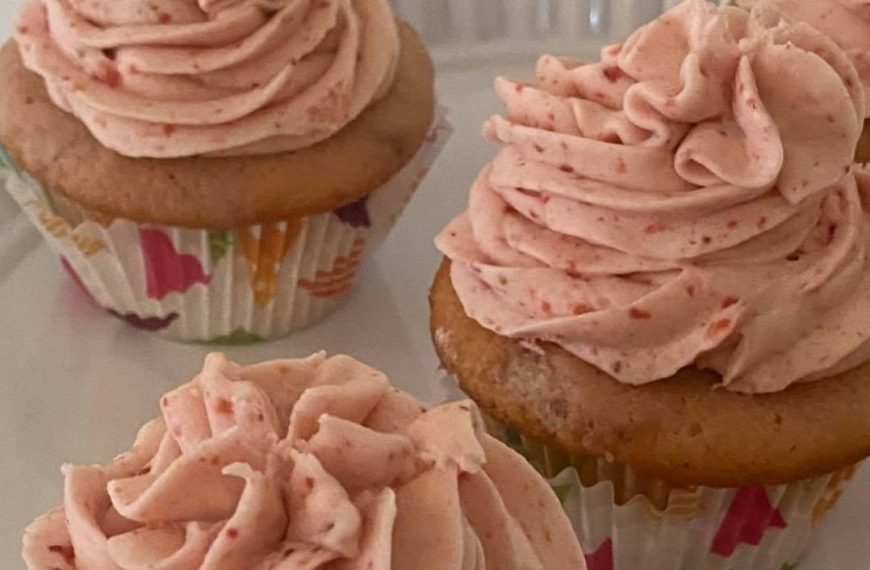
pixel 314 464
pixel 699 204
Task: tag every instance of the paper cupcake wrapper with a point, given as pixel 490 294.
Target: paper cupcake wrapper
pixel 628 521
pixel 224 287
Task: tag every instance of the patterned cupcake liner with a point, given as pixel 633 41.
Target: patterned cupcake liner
pixel 223 287
pixel 628 521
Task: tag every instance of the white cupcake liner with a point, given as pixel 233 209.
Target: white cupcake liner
pixel 628 521
pixel 226 287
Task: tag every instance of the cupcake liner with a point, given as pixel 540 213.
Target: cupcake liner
pixel 629 521
pixel 230 286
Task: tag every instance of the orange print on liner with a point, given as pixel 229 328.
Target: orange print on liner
pixel 338 280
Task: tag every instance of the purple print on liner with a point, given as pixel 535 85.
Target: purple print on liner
pixel 151 324
pixel 355 214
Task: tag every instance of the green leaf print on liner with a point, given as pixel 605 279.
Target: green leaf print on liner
pixel 790 566
pixel 237 337
pixel 219 244
pixel 6 160
pixel 514 439
pixel 562 491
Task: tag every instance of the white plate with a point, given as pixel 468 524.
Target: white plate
pixel 75 384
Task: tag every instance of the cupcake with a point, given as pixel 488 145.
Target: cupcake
pixel 216 171
pixel 660 291
pixel 847 23
pixel 305 464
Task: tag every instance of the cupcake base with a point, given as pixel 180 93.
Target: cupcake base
pixel 670 476
pixel 228 286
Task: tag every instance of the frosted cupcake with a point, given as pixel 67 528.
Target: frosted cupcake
pixel 660 291
pixel 847 22
pixel 216 170
pixel 314 464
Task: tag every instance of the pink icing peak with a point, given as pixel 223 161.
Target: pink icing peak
pixel 687 200
pixel 845 21
pixel 172 78
pixel 316 464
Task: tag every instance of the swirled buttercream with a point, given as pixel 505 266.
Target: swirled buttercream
pixel 305 464
pixel 688 199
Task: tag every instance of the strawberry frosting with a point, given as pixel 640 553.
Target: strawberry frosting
pixel 687 200
pixel 174 78
pixel 305 465
pixel 845 21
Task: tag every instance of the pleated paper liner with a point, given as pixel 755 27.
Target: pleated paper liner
pixel 628 521
pixel 222 287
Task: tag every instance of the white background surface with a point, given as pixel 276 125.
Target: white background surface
pixel 7 16
pixel 75 384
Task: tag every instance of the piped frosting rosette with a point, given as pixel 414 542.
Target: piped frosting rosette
pixel 174 78
pixel 687 200
pixel 305 464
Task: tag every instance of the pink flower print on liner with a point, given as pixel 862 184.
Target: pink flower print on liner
pixel 166 270
pixel 749 518
pixel 602 558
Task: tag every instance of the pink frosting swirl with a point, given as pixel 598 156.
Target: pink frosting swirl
pixel 173 78
pixel 305 465
pixel 846 21
pixel 687 200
